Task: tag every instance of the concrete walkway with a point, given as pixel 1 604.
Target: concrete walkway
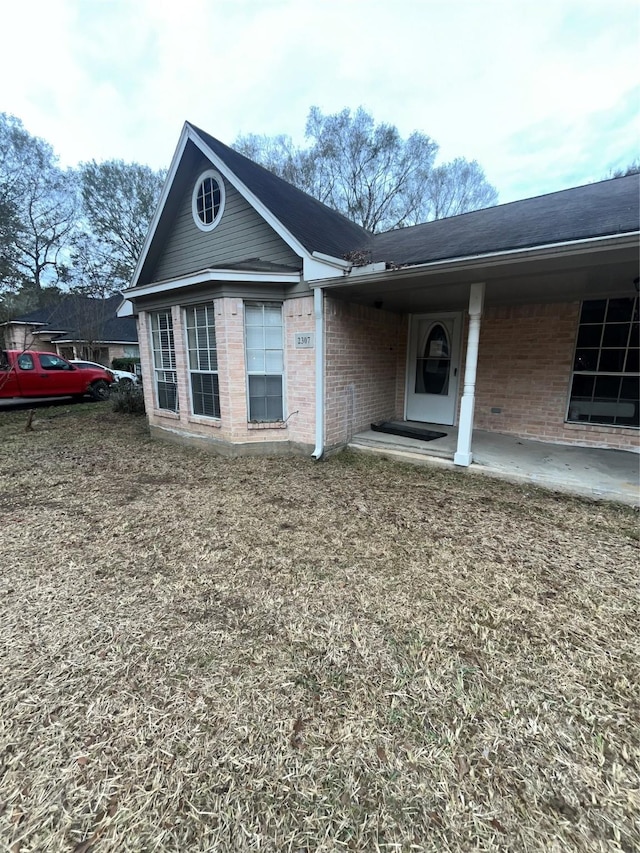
pixel 585 471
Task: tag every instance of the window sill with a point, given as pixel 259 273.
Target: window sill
pixel 631 430
pixel 266 425
pixel 216 423
pixel 165 413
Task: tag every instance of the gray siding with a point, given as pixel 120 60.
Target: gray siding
pixel 241 235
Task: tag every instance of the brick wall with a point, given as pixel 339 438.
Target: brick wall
pixel 524 368
pixel 233 428
pixel 365 368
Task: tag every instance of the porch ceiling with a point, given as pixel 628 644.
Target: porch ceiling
pixel 563 275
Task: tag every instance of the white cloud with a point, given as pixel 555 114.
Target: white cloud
pixel 111 78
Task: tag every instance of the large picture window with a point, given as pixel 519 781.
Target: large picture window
pixel 164 361
pixel 606 371
pixel 265 360
pixel 203 360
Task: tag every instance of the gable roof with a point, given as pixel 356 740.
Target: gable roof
pixel 317 227
pixel 606 208
pixel 70 317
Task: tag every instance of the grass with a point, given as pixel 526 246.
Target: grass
pixel 200 653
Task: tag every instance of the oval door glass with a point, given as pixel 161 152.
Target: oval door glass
pixel 434 362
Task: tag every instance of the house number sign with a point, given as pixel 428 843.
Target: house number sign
pixel 304 340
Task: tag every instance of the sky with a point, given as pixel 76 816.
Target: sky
pixel 544 94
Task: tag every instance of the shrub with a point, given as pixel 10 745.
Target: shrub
pixel 127 399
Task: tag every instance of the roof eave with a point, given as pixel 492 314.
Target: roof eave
pixel 216 275
pixel 373 273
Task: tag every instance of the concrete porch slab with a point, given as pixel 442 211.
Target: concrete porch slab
pixel 585 471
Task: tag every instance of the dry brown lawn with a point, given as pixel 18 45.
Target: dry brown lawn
pixel 200 653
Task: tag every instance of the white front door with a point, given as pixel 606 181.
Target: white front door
pixel 432 369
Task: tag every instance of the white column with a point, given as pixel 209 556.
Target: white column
pixel 463 455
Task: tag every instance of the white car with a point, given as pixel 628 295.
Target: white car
pixel 118 375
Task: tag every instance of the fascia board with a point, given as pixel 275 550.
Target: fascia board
pixel 83 341
pixel 550 250
pixel 22 323
pixel 173 168
pixel 214 275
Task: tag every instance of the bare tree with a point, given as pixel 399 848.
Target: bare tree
pixel 37 209
pixel 368 172
pixel 457 187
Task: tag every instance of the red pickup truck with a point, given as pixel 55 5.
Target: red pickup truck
pixel 24 373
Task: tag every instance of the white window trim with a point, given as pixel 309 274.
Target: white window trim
pixel 156 400
pixel 599 425
pixel 248 373
pixel 217 177
pixel 196 417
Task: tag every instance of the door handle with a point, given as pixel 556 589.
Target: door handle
pixel 455 371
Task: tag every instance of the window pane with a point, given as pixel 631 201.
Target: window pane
pixel 612 360
pixel 274 408
pixel 257 386
pixel 589 336
pixel 206 398
pixel 253 315
pixel 607 387
pixel 168 396
pixel 203 359
pixel 255 337
pixel 264 355
pixel 273 337
pixel 633 362
pixel 593 311
pixel 272 315
pixel 615 335
pixel 257 409
pixel 586 359
pixel 583 386
pixel 606 398
pixel 164 361
pixel 273 385
pixel 273 361
pixel 629 410
pixel 255 360
pixel 619 310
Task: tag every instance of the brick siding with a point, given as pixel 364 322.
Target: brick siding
pixel 365 368
pixel 232 427
pixel 524 368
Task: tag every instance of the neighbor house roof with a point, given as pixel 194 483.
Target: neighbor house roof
pixel 603 209
pixel 70 318
pixel 317 227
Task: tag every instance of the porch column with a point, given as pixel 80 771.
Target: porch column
pixel 463 455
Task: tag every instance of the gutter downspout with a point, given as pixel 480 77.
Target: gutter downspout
pixel 318 306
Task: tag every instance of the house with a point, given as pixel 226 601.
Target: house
pixel 76 327
pixel 269 322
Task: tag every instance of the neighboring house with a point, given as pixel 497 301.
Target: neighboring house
pixel 268 322
pixel 76 327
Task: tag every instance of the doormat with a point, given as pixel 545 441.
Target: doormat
pixel 407 431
